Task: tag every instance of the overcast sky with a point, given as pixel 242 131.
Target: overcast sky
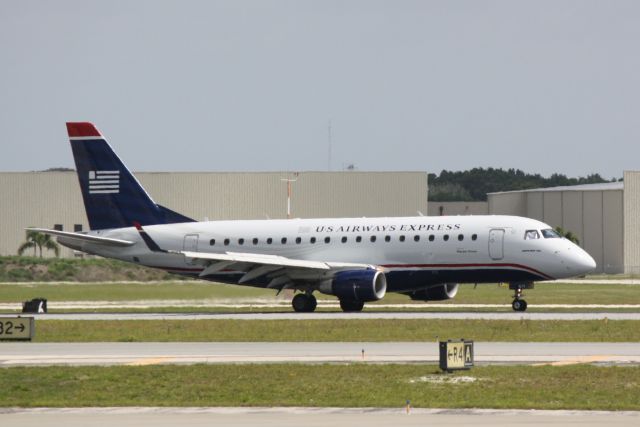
pixel 544 86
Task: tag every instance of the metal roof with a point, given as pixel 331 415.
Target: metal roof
pixel 605 186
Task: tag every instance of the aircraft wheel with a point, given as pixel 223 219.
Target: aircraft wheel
pixel 312 303
pixel 299 303
pixel 303 303
pixel 519 305
pixel 351 306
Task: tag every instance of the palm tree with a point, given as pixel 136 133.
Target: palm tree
pixel 37 240
pixel 567 235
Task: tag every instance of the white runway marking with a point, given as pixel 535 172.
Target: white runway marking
pixel 508 315
pixel 270 303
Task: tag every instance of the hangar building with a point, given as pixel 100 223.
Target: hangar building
pixel 53 199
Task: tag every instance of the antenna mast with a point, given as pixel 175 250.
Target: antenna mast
pixel 329 141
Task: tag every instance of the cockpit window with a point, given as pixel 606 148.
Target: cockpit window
pixel 550 233
pixel 531 234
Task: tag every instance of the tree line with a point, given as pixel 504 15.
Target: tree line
pixel 474 184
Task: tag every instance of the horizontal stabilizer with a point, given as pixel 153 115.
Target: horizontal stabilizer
pixel 84 237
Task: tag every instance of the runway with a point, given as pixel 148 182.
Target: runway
pixel 139 354
pixel 338 315
pixel 309 417
pixel 271 304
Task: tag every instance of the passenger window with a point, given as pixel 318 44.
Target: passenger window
pixel 531 235
pixel 401 238
pixel 312 240
pixel 212 242
pixel 241 241
pixel 432 237
pixel 460 237
pixel 283 240
pixel 255 240
pixel 327 239
pixel 550 233
pixel 416 238
pixel 445 237
pixel 298 240
pixel 387 238
pixel 474 237
pixel 344 239
pixel 372 238
pixel 226 242
pixel 269 241
pixel 358 239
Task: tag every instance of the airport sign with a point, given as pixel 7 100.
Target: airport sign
pixel 455 355
pixel 17 328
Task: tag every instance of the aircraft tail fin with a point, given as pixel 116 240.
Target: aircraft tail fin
pixel 113 197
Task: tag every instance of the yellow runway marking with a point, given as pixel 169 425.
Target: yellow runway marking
pixel 151 361
pixel 577 360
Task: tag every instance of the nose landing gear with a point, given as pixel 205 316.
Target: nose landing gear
pixel 518 303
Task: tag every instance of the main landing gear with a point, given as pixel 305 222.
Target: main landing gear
pixel 351 306
pixel 307 303
pixel 304 303
pixel 518 303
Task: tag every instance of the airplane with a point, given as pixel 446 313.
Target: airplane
pixel 357 260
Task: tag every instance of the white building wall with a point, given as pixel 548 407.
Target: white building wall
pixel 552 208
pixel 513 203
pixel 613 231
pixel 458 208
pixel 572 218
pixel 535 205
pixel 632 222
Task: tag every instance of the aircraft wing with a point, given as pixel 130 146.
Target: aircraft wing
pixel 282 270
pixel 84 237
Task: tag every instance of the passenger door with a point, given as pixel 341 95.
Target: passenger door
pixel 496 243
pixel 190 243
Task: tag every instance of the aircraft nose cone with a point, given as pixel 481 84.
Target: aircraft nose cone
pixel 590 263
pixel 584 263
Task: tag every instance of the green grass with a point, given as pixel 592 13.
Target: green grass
pixel 129 291
pixel 352 385
pixel 370 330
pixel 544 293
pixel 31 269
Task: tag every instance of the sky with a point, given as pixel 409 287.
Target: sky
pixel 544 86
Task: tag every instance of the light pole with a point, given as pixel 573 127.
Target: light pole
pixel 289 181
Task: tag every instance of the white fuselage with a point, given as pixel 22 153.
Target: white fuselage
pixel 413 252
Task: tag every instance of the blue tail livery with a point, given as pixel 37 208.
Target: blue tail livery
pixel 113 197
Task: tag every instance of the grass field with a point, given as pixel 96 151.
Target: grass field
pixel 544 293
pixel 373 330
pixel 352 385
pixel 29 269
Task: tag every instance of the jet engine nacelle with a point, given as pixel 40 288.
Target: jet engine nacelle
pixel 356 285
pixel 436 293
